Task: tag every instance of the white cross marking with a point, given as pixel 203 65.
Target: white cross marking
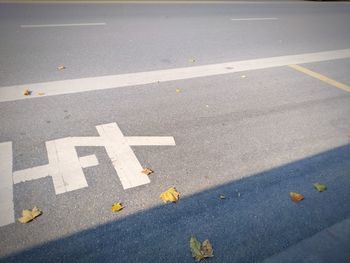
pixel 66 168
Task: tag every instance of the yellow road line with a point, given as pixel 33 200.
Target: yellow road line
pixel 321 77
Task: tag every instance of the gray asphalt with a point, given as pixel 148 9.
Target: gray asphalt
pixel 253 139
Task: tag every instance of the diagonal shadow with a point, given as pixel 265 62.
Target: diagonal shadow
pixel 256 220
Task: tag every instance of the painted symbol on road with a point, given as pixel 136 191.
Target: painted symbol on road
pixel 66 168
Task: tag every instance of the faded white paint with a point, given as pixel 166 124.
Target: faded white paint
pixel 12 93
pixel 6 185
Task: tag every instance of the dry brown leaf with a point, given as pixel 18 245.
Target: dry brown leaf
pixel 296 197
pixel 170 195
pixel 27 92
pixel 147 171
pixel 29 215
pixel 116 207
pixel 61 67
pixel 200 251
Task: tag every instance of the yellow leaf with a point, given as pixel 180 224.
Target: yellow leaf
pixel 28 215
pixel 178 90
pixel 26 92
pixel 41 93
pixel 195 246
pixel 170 195
pixel 200 251
pixel 296 197
pixel 116 207
pixel 243 76
pixel 320 187
pixel 61 67
pixel 147 171
pixel 207 249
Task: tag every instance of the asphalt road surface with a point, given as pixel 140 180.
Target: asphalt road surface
pixel 205 96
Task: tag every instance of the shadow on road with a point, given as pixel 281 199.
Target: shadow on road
pixel 256 220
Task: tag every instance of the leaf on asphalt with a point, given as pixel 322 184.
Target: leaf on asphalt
pixel 147 171
pixel 116 207
pixel 170 196
pixel 27 92
pixel 29 215
pixel 61 67
pixel 192 60
pixel 320 187
pixel 296 197
pixel 222 197
pixel 41 93
pixel 200 251
pixel 243 76
pixel 178 90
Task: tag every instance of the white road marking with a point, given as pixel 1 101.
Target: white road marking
pixel 6 185
pixel 66 168
pixel 254 19
pixel 63 25
pixel 12 93
pixel 88 161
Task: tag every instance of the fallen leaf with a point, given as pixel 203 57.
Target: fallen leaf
pixel 192 60
pixel 320 187
pixel 222 197
pixel 41 93
pixel 116 207
pixel 61 67
pixel 27 92
pixel 178 90
pixel 147 171
pixel 243 76
pixel 29 215
pixel 296 197
pixel 170 195
pixel 200 251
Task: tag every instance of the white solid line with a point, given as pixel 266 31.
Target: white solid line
pixel 63 25
pixel 7 214
pixel 31 174
pixel 12 93
pixel 254 19
pixel 88 161
pixel 122 156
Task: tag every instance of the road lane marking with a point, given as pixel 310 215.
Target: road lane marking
pixel 63 25
pixel 13 93
pixel 321 77
pixel 254 19
pixel 6 185
pixel 88 161
pixel 66 168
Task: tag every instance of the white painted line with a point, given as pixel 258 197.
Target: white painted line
pixel 254 19
pixel 31 174
pixel 63 25
pixel 88 161
pixel 122 156
pixel 6 185
pixel 12 93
